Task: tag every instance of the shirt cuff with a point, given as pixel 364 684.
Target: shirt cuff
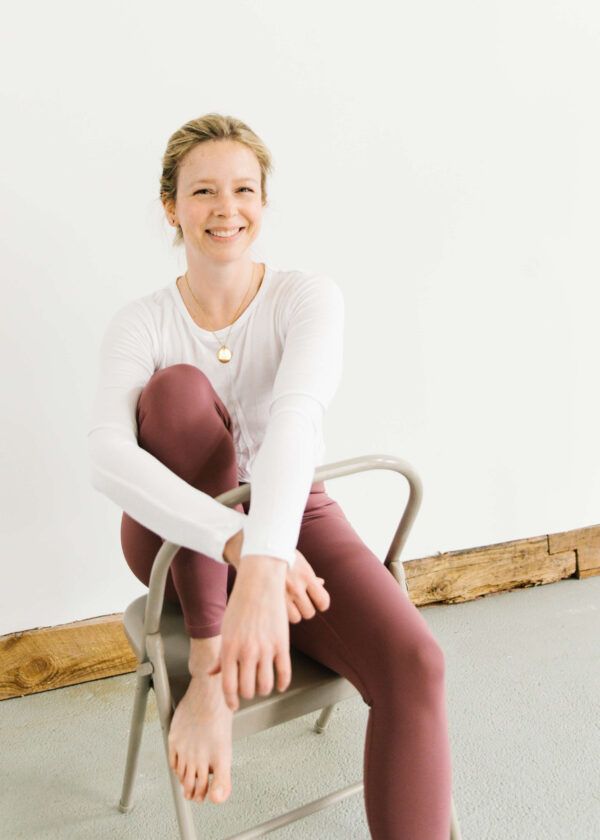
pixel 268 549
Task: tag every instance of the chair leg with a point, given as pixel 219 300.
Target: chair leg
pixel 454 826
pixel 135 737
pixel 321 724
pixel 183 806
pixel 162 689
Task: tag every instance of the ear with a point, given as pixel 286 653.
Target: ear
pixel 169 208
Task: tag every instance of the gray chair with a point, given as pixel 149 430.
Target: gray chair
pixel 156 632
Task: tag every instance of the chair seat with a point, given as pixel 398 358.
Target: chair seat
pixel 313 686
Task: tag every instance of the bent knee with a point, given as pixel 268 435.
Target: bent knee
pixel 174 377
pixel 182 389
pixel 426 660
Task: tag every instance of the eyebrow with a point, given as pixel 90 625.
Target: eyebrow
pixel 210 181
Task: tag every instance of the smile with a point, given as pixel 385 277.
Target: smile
pixel 225 237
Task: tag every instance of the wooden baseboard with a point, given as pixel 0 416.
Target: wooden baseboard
pixel 454 576
pixel 68 654
pixel 54 657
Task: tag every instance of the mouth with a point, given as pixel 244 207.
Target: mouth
pixel 229 238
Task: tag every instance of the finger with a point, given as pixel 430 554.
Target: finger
pixel 264 676
pixel 294 615
pixel 284 669
pixel 319 595
pixel 247 683
pixel 304 604
pixel 297 593
pixel 229 672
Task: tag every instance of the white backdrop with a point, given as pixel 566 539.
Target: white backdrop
pixel 439 160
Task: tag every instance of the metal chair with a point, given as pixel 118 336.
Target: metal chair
pixel 156 632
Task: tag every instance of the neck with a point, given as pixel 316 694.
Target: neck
pixel 217 299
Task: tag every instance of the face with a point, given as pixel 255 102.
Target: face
pixel 218 189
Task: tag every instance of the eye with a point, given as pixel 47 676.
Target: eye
pixel 205 189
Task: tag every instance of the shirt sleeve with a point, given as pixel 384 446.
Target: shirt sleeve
pixel 133 478
pixel 307 379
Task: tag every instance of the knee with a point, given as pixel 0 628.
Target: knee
pixel 426 661
pixel 177 390
pixel 175 378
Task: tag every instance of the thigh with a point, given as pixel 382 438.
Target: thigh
pixel 371 623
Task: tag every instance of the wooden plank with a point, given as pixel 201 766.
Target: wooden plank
pixel 456 576
pixel 585 542
pixel 578 538
pixel 54 657
pixel 588 561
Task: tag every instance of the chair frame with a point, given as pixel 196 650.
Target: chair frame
pixel 152 669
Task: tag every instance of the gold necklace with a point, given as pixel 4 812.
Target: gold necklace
pixel 224 353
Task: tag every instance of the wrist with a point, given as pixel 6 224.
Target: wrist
pixel 232 548
pixel 258 564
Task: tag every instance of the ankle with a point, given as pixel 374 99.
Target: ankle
pixel 203 653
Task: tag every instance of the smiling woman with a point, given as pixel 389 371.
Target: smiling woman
pixel 183 414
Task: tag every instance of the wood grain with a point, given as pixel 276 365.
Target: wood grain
pixel 54 657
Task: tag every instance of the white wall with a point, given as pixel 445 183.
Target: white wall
pixel 440 160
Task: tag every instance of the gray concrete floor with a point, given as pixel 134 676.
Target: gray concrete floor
pixel 523 689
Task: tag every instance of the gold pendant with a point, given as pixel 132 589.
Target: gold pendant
pixel 224 354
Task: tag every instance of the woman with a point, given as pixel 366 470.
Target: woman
pixel 220 378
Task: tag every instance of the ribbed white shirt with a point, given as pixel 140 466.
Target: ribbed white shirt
pixel 287 359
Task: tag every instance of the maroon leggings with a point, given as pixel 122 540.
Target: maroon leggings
pixel 372 634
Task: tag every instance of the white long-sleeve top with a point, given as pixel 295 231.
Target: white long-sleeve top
pixel 287 350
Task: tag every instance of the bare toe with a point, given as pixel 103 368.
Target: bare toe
pixel 201 785
pixel 189 780
pixel 173 758
pixel 220 786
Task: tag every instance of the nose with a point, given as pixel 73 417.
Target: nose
pixel 226 206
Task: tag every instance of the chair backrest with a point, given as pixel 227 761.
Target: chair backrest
pixel 168 550
pixel 156 630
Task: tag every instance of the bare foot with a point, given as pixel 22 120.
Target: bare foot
pixel 200 740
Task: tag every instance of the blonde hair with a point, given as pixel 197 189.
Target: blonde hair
pixel 208 127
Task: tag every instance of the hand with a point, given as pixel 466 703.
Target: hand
pixel 255 631
pixel 301 582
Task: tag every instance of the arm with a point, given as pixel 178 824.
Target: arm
pixel 255 633
pixel 307 379
pixel 130 476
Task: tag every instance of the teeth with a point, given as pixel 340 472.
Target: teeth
pixel 223 233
